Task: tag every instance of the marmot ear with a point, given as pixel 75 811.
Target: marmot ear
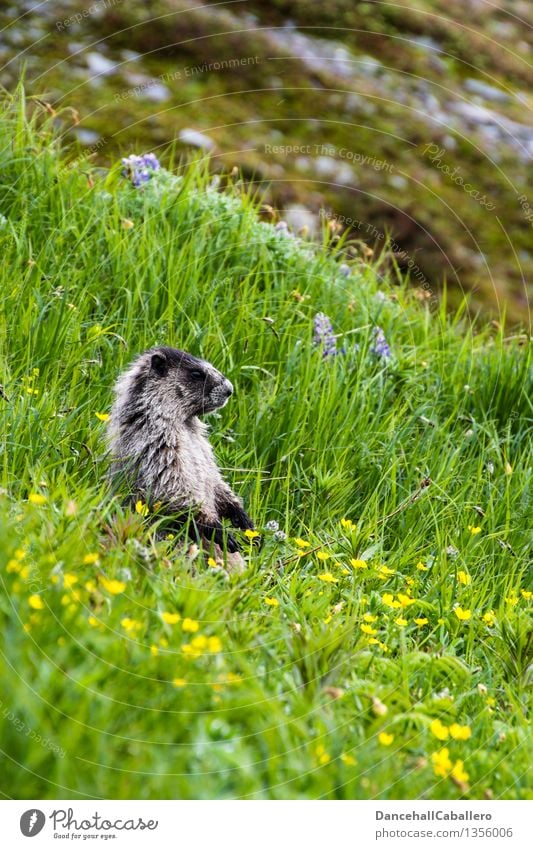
pixel 159 364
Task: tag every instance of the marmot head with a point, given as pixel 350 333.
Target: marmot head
pixel 173 383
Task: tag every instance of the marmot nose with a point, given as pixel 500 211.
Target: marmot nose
pixel 228 388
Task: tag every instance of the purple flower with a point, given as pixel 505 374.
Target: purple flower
pixel 380 346
pixel 139 169
pixel 323 335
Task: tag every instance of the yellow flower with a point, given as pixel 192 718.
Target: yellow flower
pixel 401 622
pixel 13 566
pixel 130 625
pixel 170 618
pixel 212 562
pixel 141 508
pixel 489 618
pixel 112 586
pixel 388 599
pixel 214 645
pixel 421 621
pixel 90 558
pixel 37 498
pixel 249 534
pixel 103 417
pixel 474 530
pixel 385 739
pixel 322 755
pixel 442 764
pixel 439 730
pixel 422 567
pixel 301 543
pixel 405 600
pixel 93 622
pixel 463 615
pixel 459 773
pixel 323 555
pixel 358 564
pixel 349 760
pixel 90 586
pixel 369 618
pixel 384 571
pixel 527 594
pixel 512 598
pixel 272 602
pixel 199 642
pixel 460 732
pixel 179 682
pixel 154 651
pixel 464 578
pixel 368 629
pixel 69 580
pixel 348 525
pixel 190 625
pixel 36 603
pixel 20 554
pixel 328 578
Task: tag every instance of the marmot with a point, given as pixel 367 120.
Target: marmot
pixel 160 448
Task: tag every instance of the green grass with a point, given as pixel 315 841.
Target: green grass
pixel 288 699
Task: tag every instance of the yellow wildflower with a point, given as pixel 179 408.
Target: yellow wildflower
pixel 141 508
pixel 369 618
pixel 348 525
pixel 301 543
pixel 103 417
pixel 384 571
pixel 439 730
pixel 388 599
pixel 93 622
pixel 130 625
pixel 422 567
pixel 385 739
pixel 527 594
pixel 421 621
pixel 458 772
pixel 249 534
pixel 69 580
pixel 463 615
pixel 90 558
pixel 460 732
pixel 512 598
pixel 272 602
pixel 489 618
pixel 358 564
pixel 190 625
pixel 368 629
pixel 323 555
pixel 401 622
pixel 405 600
pixel 90 586
pixel 348 760
pixel 442 764
pixel 170 618
pixel 179 682
pixel 214 645
pixel 35 601
pixel 474 530
pixel 37 498
pixel 464 578
pixel 322 755
pixel 13 566
pixel 112 585
pixel 328 578
pixel 154 650
pixel 212 562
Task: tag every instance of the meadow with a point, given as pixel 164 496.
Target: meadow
pixel 379 643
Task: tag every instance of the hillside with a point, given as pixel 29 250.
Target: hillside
pixel 379 643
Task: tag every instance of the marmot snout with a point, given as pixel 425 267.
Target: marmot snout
pixel 160 447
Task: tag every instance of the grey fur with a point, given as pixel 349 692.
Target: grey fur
pixel 160 447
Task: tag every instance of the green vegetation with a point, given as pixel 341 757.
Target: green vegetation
pixel 400 95
pixel 384 648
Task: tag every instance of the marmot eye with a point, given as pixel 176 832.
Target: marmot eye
pixel 196 374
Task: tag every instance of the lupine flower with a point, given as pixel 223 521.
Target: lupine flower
pixel 323 335
pixel 380 346
pixel 139 169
